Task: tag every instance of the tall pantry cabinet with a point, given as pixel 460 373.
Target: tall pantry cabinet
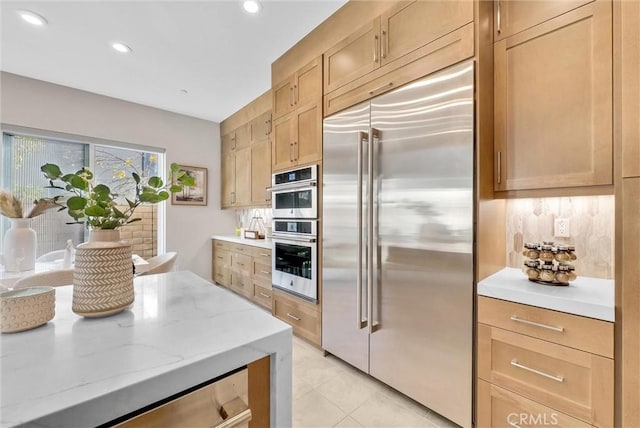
pixel 627 106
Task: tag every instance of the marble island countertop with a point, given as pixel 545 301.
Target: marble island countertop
pixel 261 243
pixel 180 331
pixel 589 297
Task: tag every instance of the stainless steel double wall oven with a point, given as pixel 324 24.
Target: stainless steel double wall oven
pixel 295 232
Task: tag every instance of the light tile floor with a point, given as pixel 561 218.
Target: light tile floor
pixel 328 392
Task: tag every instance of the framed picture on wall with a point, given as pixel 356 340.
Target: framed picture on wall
pixel 196 195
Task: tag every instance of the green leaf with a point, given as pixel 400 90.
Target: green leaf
pixel 78 182
pixel 133 220
pixel 187 181
pixel 130 202
pixel 163 195
pixel 76 203
pixel 102 191
pixel 175 168
pixel 175 188
pixel 118 213
pixel 95 211
pixel 51 171
pixel 155 182
pixel 136 177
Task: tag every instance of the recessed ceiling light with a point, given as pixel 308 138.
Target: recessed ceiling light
pixel 252 6
pixel 121 47
pixel 32 18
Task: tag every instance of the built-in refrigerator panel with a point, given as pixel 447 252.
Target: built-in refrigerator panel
pixel 398 239
pixel 344 240
pixel 423 241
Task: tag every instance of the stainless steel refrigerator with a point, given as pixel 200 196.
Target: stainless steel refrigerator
pixel 398 227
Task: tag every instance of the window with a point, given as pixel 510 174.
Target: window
pixel 22 157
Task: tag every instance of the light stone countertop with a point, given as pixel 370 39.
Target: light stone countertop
pixel 180 331
pixel 589 297
pixel 262 243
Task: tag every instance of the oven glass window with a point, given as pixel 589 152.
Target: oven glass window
pixel 293 259
pixel 296 199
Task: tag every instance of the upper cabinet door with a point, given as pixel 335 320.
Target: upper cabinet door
pixel 411 25
pixel 307 144
pixel 283 97
pixel 308 84
pixel 353 57
pixel 553 103
pixel 513 16
pixel 260 127
pixel 282 150
pixel 242 137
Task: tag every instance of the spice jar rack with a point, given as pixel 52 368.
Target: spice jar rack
pixel 549 264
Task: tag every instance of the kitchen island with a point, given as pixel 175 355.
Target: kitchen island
pixel 181 331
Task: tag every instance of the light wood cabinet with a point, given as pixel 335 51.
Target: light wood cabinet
pixel 297 131
pixel 240 400
pixel 304 317
pixel 553 103
pixel 630 81
pixel 244 269
pixel 403 29
pixel 513 16
pixel 246 164
pixel 518 372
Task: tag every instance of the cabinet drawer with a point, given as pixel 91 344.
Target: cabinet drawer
pixel 216 405
pixel 241 262
pixel 261 271
pixel 578 332
pixel 574 382
pixel 221 274
pixel 262 254
pixel 262 295
pixel 222 257
pixel 302 316
pixel 222 245
pixel 498 407
pixel 241 283
pixel 241 249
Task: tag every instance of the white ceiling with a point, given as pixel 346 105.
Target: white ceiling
pixel 213 49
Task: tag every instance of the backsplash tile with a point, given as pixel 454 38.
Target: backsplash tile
pixel 591 228
pixel 244 217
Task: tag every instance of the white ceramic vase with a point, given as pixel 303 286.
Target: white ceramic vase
pixel 103 275
pixel 20 243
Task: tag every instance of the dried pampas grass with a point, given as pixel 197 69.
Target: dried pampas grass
pixel 10 206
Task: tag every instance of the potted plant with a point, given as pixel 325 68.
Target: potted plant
pixel 103 276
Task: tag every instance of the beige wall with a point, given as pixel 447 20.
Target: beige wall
pixel 187 140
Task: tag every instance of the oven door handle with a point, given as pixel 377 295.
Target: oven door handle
pixel 291 238
pixel 298 185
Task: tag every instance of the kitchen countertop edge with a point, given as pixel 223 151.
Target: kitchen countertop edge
pixel 588 297
pixel 260 243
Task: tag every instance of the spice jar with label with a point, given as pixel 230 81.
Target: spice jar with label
pixel 562 255
pixel 532 269
pixel 571 250
pixel 531 250
pixel 546 253
pixel 562 273
pixel 546 272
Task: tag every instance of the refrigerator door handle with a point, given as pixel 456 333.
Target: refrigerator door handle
pixel 361 323
pixel 372 240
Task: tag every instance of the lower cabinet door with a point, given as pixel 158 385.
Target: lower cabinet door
pixel 224 403
pixel 302 316
pixel 498 407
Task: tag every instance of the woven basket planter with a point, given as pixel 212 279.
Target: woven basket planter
pixel 103 276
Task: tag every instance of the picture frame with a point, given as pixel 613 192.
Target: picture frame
pixel 196 195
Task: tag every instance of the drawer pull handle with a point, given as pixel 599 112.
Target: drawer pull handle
pixel 235 413
pixel 548 327
pixel 515 363
pixel 293 316
pixel 265 255
pixel 265 272
pixel 240 264
pixel 266 296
